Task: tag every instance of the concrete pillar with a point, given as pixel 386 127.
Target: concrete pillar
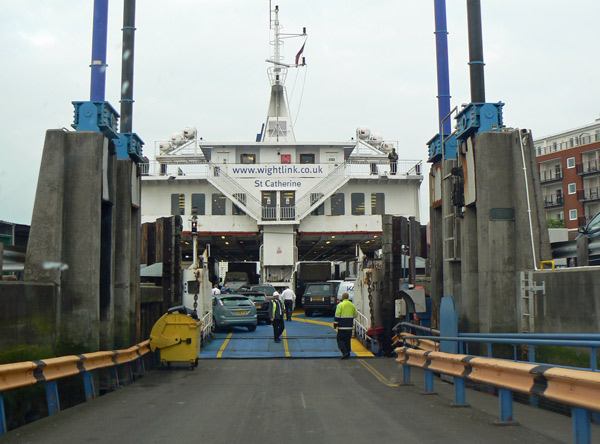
pixel 468 302
pixel 437 257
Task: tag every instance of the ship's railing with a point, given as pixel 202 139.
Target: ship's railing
pixel 321 191
pixel 234 191
pixel 361 326
pixel 382 167
pixel 207 326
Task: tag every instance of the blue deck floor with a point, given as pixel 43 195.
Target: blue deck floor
pixel 303 338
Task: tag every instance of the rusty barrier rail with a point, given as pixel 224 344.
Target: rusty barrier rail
pixel 579 389
pixel 48 371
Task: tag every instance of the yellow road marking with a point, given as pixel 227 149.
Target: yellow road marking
pixel 375 373
pixel 310 321
pixel 360 349
pixel 285 344
pixel 222 349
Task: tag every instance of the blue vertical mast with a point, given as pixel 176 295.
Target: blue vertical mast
pixel 98 84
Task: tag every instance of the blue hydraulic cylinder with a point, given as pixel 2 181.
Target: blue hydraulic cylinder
pixel 443 76
pixel 99 38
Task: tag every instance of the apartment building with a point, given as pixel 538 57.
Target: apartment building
pixel 569 166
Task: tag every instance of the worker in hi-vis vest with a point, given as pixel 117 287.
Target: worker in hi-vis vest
pixel 276 317
pixel 344 322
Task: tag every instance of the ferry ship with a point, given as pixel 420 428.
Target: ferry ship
pixel 276 200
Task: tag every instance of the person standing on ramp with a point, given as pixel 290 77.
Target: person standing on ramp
pixel 289 299
pixel 344 322
pixel 276 316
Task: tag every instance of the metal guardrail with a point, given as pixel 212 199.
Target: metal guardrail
pixel 207 326
pixel 48 371
pixel 361 323
pixel 578 389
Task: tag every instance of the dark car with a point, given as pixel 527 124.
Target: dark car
pixel 592 232
pixel 260 301
pixel 321 297
pixel 267 289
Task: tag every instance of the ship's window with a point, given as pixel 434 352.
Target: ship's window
pixel 218 204
pixel 198 204
pixel 237 211
pixel 358 204
pixel 307 158
pixel 337 204
pixel 247 158
pixel 377 203
pixel 320 210
pixel 177 204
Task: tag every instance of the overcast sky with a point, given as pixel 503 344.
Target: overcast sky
pixel 371 63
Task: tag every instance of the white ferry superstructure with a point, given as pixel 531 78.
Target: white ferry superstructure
pixel 276 200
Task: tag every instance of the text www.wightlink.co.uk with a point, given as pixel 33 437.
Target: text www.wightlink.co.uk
pixel 278 169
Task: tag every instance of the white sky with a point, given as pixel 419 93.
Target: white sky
pixel 202 63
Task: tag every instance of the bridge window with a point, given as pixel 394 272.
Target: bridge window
pixel 307 158
pixel 377 203
pixel 358 204
pixel 218 204
pixel 248 158
pixel 177 204
pixel 337 204
pixel 198 204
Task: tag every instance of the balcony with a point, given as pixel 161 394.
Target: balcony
pixel 551 175
pixel 582 221
pixel 588 194
pixel 553 200
pixel 588 168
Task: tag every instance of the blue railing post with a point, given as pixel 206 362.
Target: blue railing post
pixel 582 429
pixel 593 359
pixel 406 374
pixel 460 396
pixel 52 397
pixel 2 416
pixel 428 383
pixel 114 377
pixel 88 385
pixel 506 407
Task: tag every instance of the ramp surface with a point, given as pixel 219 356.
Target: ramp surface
pixel 302 338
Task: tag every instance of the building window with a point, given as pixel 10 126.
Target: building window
pixel 218 204
pixel 177 204
pixel 358 204
pixel 377 203
pixel 572 188
pixel 198 204
pixel 561 215
pixel 572 214
pixel 571 162
pixel 337 204
pixel 247 158
pixel 307 158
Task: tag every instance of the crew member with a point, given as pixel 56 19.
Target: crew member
pixel 276 316
pixel 344 322
pixel 216 290
pixel 393 157
pixel 289 300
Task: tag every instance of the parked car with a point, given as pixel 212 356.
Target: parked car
pixel 260 302
pixel 231 310
pixel 265 288
pixel 592 232
pixel 321 297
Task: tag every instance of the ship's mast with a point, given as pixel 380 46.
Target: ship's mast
pixel 278 126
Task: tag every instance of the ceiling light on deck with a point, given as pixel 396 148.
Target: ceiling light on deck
pixel 226 243
pixel 328 242
pixel 333 237
pixel 374 236
pixel 222 237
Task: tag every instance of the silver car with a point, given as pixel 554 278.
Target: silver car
pixel 231 310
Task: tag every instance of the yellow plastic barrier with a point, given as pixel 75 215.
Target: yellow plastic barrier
pixel 551 263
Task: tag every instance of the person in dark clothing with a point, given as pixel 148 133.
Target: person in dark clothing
pixel 393 157
pixel 276 316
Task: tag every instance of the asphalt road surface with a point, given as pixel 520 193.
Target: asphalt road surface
pixel 280 401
